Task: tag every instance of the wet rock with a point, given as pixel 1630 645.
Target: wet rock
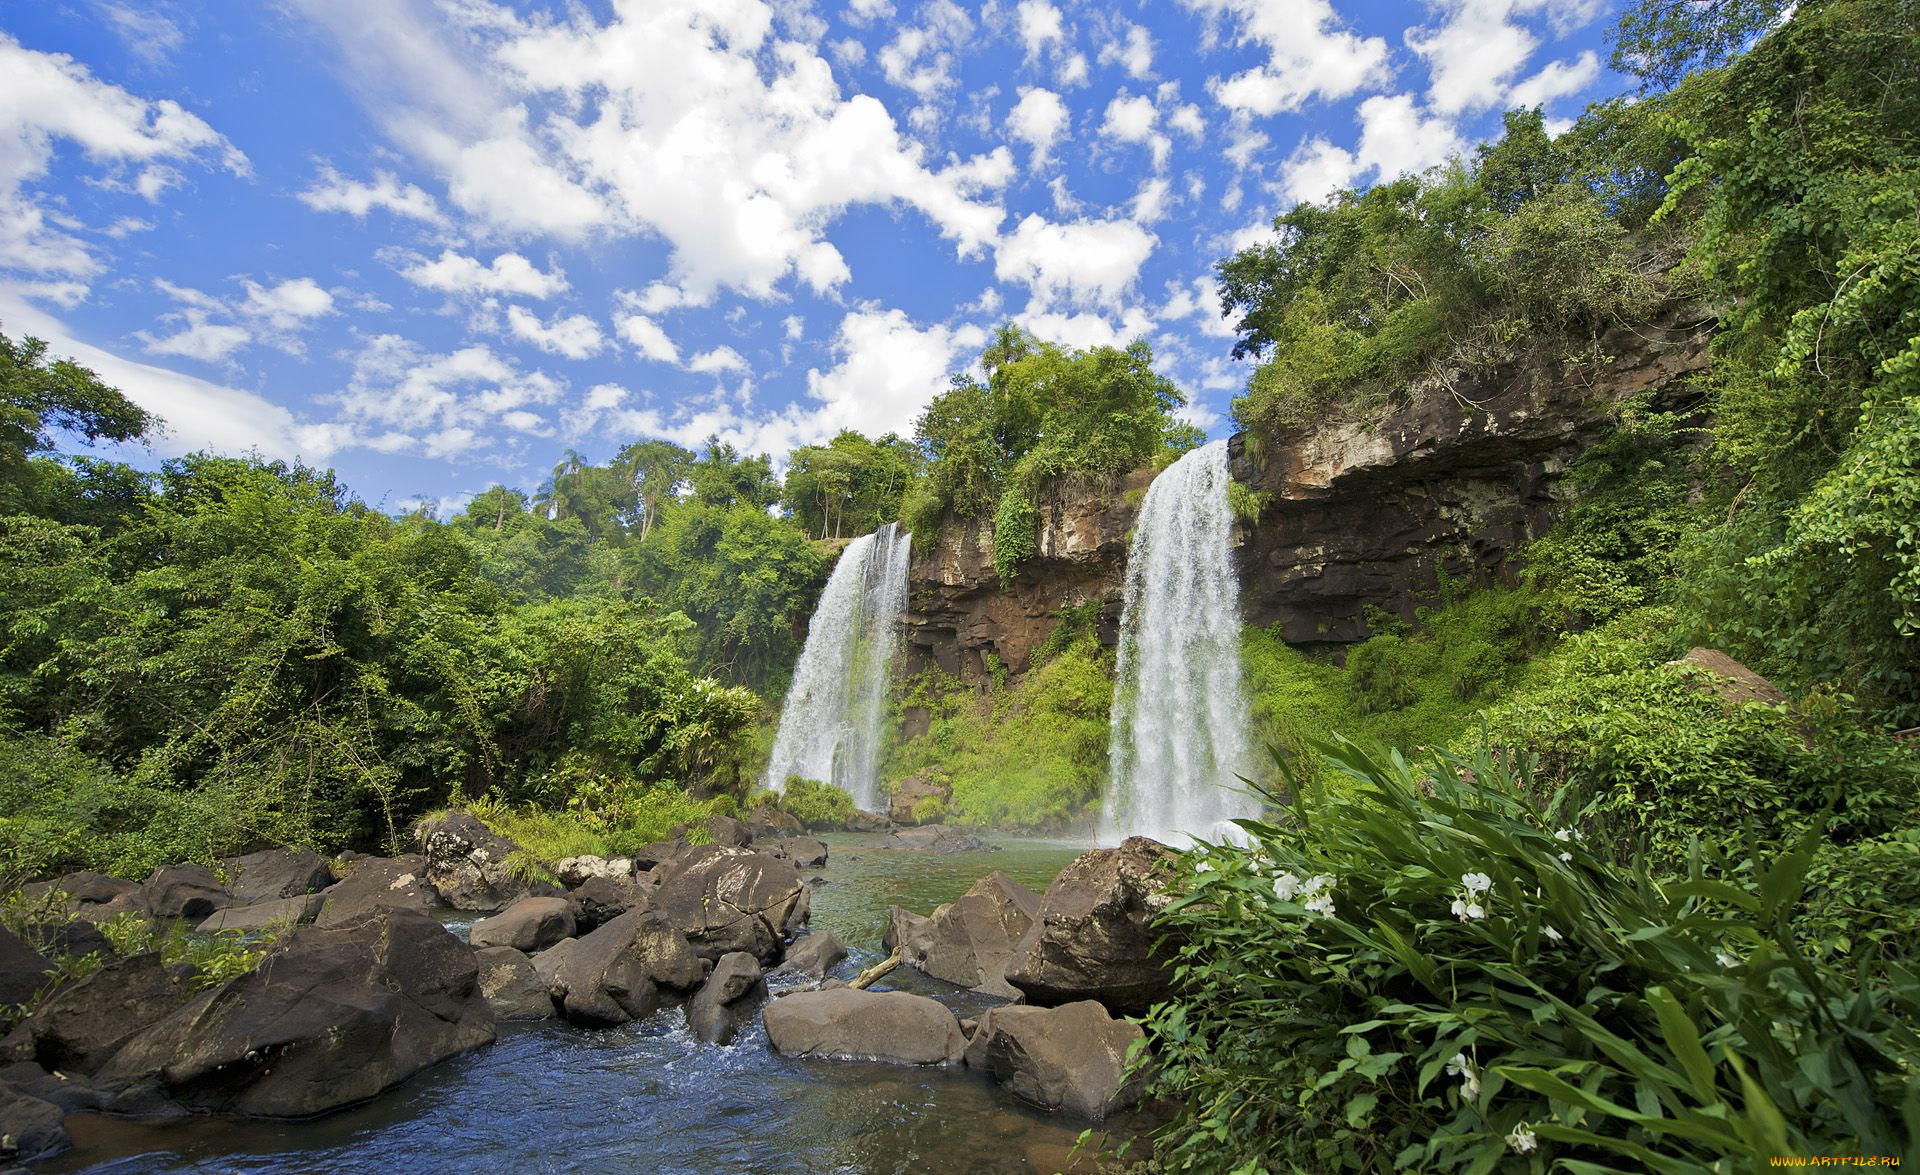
pixel 1094 938
pixel 862 821
pixel 330 1017
pixel 1072 1058
pixel 379 883
pixel 514 989
pixel 573 871
pixel 848 1024
pixel 726 900
pixel 599 900
pixel 658 853
pixel 29 1128
pixel 814 954
pixel 971 940
pixel 274 874
pixel 467 862
pixel 530 924
pixel 81 1026
pixel 23 970
pixel 804 851
pixel 915 791
pixel 292 911
pixel 71 1092
pixel 935 838
pixel 183 891
pixel 614 974
pixel 726 999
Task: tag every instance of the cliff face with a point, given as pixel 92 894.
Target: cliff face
pixel 1354 513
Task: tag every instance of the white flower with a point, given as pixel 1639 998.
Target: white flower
pixel 1322 905
pixel 1522 1140
pixel 1476 883
pixel 1204 867
pixel 1318 882
pixel 1462 1068
pixel 1551 933
pixel 1564 836
pixel 1567 857
pixel 1725 960
pixel 1286 886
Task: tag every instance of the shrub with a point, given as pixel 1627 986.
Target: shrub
pixel 1423 970
pixel 816 804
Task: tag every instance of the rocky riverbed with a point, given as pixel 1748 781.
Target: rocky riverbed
pixel 666 990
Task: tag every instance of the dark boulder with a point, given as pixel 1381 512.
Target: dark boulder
pixel 30 1128
pixel 23 970
pixel 814 954
pixel 82 1025
pixel 468 864
pixel 513 988
pixel 864 821
pixel 330 1017
pixel 804 851
pixel 183 891
pixel 725 830
pixel 528 925
pixel 83 889
pixel 614 974
pixel 71 1092
pixel 379 883
pixel 74 937
pixel 726 900
pixel 1095 937
pixel 848 1024
pixel 657 853
pixel 272 874
pixel 282 912
pixel 599 900
pixel 971 940
pixel 1072 1058
pixel 773 824
pixel 726 999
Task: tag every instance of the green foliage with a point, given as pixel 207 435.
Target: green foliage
pixel 42 397
pixel 848 486
pixel 1424 970
pixel 816 804
pixel 1245 502
pixel 1029 755
pixel 1663 761
pixel 1016 525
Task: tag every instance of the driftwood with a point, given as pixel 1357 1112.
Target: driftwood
pixel 877 970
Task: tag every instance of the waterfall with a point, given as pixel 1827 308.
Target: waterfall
pixel 831 725
pixel 1180 717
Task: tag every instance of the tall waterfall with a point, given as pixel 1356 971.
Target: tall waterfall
pixel 830 728
pixel 1180 716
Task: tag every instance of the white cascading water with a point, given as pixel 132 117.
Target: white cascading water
pixel 830 728
pixel 1180 716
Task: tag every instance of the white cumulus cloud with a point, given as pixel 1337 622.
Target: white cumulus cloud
pixel 507 274
pixel 1310 54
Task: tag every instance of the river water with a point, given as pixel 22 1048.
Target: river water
pixel 648 1097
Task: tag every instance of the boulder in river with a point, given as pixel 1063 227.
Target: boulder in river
pixel 82 1025
pixel 183 891
pixel 813 954
pixel 74 937
pixel 1072 1058
pixel 331 1016
pixel 379 883
pixel 935 838
pixel 29 1128
pixel 579 870
pixel 864 821
pixel 849 1024
pixel 513 988
pixel 1094 938
pixel 804 851
pixel 726 899
pixel 273 874
pixel 715 1012
pixel 599 900
pixel 725 830
pixel 773 824
pixel 970 941
pixel 82 889
pixel 614 974
pixel 264 915
pixel 912 798
pixel 528 925
pixel 468 864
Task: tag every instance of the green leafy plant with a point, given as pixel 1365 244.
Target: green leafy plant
pixel 816 804
pixel 1426 967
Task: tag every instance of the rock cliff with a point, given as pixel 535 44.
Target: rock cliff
pixel 1354 512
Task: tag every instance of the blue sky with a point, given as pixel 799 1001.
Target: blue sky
pixel 434 244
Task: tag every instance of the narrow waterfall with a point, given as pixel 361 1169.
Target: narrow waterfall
pixel 1180 716
pixel 830 728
